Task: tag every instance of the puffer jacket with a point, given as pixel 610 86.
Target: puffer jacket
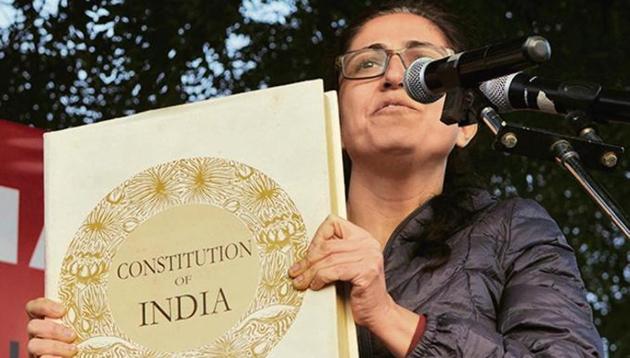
pixel 511 287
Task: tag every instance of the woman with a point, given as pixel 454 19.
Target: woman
pixel 436 267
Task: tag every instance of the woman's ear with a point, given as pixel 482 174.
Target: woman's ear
pixel 465 134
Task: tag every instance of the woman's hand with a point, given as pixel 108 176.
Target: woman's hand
pixel 47 338
pixel 342 251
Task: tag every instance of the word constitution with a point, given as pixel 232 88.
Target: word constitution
pixel 184 260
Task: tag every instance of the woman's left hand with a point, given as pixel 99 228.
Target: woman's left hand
pixel 342 251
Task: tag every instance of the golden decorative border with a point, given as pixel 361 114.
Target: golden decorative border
pixel 265 209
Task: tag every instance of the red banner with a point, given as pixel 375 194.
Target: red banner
pixel 21 227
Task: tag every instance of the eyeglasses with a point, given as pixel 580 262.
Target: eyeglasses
pixel 373 62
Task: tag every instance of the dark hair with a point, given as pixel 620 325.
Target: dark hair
pixel 452 209
pixel 444 20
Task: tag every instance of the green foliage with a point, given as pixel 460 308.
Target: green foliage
pixel 92 61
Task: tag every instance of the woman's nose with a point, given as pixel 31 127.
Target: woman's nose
pixel 394 73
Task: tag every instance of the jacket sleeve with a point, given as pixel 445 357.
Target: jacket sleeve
pixel 543 310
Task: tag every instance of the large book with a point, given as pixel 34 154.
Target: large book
pixel 170 232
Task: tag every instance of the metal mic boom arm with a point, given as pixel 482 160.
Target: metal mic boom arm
pixel 567 151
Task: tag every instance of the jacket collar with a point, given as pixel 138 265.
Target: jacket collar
pixel 413 224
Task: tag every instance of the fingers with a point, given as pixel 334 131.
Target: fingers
pixel 328 275
pixel 318 251
pixel 339 267
pixel 335 227
pixel 335 253
pixel 50 330
pixel 50 339
pixel 361 268
pixel 331 228
pixel 331 232
pixel 45 347
pixel 43 307
pixel 335 262
pixel 337 243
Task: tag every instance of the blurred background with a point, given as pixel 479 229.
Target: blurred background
pixel 71 63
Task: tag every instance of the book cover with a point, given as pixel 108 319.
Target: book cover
pixel 169 233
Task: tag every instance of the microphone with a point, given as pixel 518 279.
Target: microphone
pixel 426 79
pixel 521 91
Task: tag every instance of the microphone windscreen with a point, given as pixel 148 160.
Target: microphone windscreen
pixel 414 84
pixel 497 92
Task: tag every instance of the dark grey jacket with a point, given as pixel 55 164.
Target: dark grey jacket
pixel 511 288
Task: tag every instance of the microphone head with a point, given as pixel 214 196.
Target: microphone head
pixel 497 92
pixel 414 82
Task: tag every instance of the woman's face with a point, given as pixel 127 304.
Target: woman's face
pixel 378 117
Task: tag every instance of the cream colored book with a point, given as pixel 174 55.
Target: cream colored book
pixel 169 233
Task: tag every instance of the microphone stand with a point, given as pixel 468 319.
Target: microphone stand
pixel 572 153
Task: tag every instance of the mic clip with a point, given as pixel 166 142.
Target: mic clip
pixel 457 107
